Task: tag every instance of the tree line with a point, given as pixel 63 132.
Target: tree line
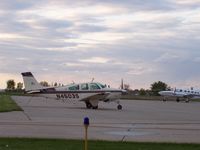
pixel 154 88
pixel 12 85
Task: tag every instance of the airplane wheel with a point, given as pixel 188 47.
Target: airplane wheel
pixel 187 101
pixel 119 107
pixel 164 100
pixel 88 105
pixel 95 107
pixel 178 100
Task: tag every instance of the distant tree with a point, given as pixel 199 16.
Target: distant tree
pixel 19 86
pixel 126 86
pixel 10 84
pixel 158 86
pixel 149 92
pixel 44 83
pixel 142 92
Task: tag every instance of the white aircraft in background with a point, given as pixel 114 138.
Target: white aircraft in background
pixel 90 93
pixel 186 94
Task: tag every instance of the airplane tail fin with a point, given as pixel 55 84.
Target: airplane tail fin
pixel 30 82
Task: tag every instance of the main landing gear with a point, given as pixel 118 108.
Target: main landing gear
pixel 89 106
pixel 164 99
pixel 187 100
pixel 178 100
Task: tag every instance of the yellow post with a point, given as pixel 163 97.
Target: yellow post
pixel 86 124
pixel 86 137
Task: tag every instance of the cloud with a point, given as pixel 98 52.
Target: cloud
pixel 100 60
pixel 142 41
pixel 167 57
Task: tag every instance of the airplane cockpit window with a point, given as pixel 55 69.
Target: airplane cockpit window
pixel 181 90
pixel 101 85
pixel 94 86
pixel 74 88
pixel 84 86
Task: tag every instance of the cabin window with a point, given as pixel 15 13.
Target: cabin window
pixel 181 90
pixel 74 88
pixel 84 86
pixel 94 86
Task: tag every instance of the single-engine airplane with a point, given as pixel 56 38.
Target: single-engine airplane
pixel 91 93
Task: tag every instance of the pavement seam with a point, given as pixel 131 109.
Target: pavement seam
pixel 27 116
pixel 129 129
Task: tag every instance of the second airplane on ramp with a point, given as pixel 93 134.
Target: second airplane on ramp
pixel 186 94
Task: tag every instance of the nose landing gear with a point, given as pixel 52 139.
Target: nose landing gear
pixel 119 107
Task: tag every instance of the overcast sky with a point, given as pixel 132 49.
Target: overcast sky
pixel 141 41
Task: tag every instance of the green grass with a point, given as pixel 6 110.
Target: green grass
pixel 7 104
pixel 57 144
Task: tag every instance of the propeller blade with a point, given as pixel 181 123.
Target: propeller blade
pixel 122 84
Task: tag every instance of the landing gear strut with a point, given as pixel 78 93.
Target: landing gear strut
pixel 187 100
pixel 88 105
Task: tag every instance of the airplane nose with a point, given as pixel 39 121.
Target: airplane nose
pixel 124 92
pixel 160 92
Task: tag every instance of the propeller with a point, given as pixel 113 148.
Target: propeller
pixel 122 87
pixel 122 84
pixel 175 91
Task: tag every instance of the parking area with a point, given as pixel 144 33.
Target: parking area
pixel 138 121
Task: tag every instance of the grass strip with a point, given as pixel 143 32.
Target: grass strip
pixel 7 104
pixel 59 144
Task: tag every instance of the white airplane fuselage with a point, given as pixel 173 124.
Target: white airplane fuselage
pixel 79 95
pixel 180 93
pixel 91 92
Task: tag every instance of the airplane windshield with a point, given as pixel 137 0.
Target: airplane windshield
pixel 101 85
pixel 94 86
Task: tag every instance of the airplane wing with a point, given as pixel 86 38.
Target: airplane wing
pixel 94 99
pixel 189 95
